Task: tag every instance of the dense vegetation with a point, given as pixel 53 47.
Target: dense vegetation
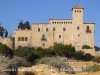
pixel 32 54
pixel 6 51
pixel 27 56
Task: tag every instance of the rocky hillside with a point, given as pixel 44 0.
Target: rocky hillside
pixel 43 69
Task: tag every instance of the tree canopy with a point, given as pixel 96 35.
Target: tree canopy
pixel 2 31
pixel 25 25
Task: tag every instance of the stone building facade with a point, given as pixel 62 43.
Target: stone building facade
pixel 66 31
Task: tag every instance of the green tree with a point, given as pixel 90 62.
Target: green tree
pixel 88 57
pixel 63 50
pixel 5 50
pixel 2 30
pixel 6 33
pixel 21 25
pixel 26 25
pixel 23 52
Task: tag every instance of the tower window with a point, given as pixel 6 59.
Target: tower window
pixel 59 36
pixel 38 29
pixel 78 28
pixel 64 29
pixel 55 22
pixel 47 29
pixel 52 22
pixel 54 29
pixel 75 10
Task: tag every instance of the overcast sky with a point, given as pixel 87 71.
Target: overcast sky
pixel 12 11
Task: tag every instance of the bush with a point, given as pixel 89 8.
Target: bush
pixel 64 50
pixel 96 59
pixel 6 51
pixel 53 61
pixel 7 63
pixel 79 55
pixel 86 47
pixel 96 67
pixel 24 52
pixel 88 57
pixel 88 69
pixel 13 68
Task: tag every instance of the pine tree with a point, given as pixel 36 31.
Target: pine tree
pixel 6 33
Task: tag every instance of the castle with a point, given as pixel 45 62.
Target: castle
pixel 66 31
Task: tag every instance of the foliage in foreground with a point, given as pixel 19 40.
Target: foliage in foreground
pixel 57 62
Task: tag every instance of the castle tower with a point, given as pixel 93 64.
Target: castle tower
pixel 77 15
pixel 77 12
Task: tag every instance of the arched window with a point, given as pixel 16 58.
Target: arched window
pixel 22 38
pixel 26 38
pixel 19 38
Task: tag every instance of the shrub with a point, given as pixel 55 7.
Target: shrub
pixel 5 50
pixel 96 59
pixel 86 47
pixel 53 61
pixel 88 69
pixel 13 68
pixel 88 57
pixel 79 55
pixel 23 52
pixel 22 62
pixel 7 63
pixel 96 67
pixel 64 50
